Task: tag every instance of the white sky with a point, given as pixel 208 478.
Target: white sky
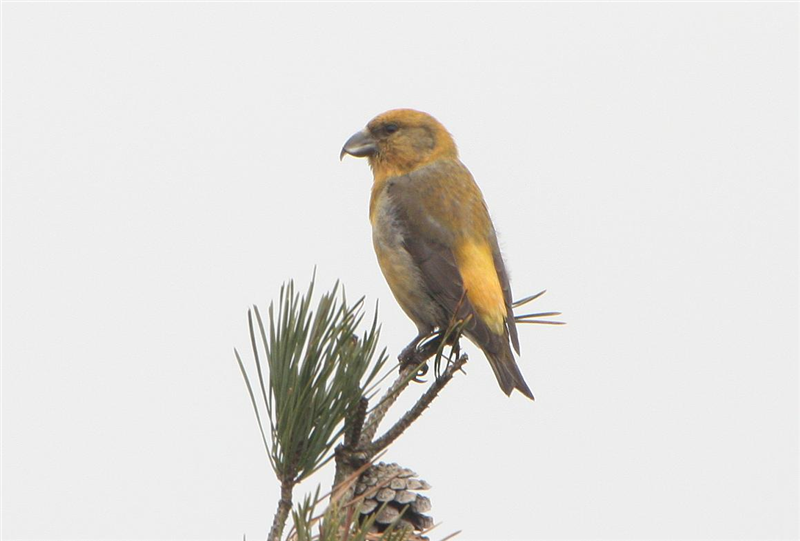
pixel 167 165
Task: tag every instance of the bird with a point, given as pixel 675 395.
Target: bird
pixel 433 237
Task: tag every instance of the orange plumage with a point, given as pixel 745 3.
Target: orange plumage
pixel 434 238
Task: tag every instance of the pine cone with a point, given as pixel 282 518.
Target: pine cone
pixel 396 487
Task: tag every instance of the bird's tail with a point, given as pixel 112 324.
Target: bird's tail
pixel 506 370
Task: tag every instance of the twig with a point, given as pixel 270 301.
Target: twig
pixel 282 514
pixel 354 425
pixel 421 405
pixel 379 412
pixel 410 366
pixel 350 458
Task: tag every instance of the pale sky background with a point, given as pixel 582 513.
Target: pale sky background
pixel 167 165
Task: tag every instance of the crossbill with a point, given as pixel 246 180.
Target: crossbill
pixel 435 242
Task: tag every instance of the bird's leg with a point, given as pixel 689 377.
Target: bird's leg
pixel 455 351
pixel 455 355
pixel 408 352
pixel 413 354
pixel 451 356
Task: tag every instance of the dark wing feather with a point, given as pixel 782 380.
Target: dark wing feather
pixel 511 324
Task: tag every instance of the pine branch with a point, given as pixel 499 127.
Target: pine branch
pixel 410 366
pixel 353 426
pixel 282 514
pixel 313 372
pixel 315 377
pixel 421 405
pixel 413 358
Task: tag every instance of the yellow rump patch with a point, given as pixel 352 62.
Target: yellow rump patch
pixel 476 264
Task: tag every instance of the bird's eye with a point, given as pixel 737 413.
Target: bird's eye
pixel 391 128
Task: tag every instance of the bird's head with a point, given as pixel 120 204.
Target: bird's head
pixel 399 141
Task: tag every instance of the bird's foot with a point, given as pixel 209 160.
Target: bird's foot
pixel 411 356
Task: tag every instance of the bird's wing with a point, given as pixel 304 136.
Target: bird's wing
pixel 511 324
pixel 434 206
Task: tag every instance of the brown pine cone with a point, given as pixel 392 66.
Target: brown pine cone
pixel 387 489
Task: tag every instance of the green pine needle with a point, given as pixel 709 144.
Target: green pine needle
pixel 312 368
